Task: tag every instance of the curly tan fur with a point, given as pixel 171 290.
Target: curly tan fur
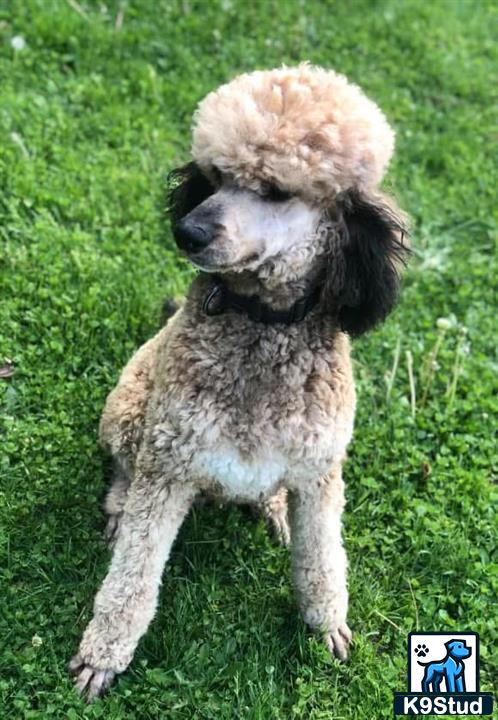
pixel 306 128
pixel 226 405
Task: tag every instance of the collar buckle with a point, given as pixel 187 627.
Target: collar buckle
pixel 214 302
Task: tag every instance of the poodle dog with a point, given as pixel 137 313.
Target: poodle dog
pixel 247 391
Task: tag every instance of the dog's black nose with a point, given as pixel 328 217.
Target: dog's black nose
pixel 193 237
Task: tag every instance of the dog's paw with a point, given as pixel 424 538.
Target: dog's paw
pixel 90 682
pixel 421 650
pixel 338 641
pixel 278 526
pixel 276 517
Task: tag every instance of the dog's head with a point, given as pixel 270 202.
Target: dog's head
pixel 283 185
pixel 458 649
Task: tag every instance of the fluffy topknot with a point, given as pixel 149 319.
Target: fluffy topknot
pixel 306 129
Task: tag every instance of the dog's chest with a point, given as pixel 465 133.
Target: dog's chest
pixel 248 477
pixel 251 415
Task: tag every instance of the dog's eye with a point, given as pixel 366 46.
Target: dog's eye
pixel 273 193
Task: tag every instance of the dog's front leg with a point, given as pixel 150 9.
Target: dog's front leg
pixel 126 602
pixel 319 559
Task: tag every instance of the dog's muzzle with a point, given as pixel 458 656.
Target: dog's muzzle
pixel 197 230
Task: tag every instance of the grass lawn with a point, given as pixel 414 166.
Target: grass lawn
pixel 94 110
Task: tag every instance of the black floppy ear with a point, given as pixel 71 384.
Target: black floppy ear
pixel 367 257
pixel 187 188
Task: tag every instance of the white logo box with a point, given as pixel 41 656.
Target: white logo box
pixel 436 651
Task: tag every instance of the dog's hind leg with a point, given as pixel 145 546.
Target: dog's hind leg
pixel 122 422
pixel 319 559
pixel 429 677
pixel 436 683
pixel 115 500
pixel 122 425
pixel 275 512
pixel 425 685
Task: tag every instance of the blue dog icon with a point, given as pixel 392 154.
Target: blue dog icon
pixel 451 668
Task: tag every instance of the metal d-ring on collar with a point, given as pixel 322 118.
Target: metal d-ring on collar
pixel 220 298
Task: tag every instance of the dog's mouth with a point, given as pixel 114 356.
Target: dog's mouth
pixel 202 261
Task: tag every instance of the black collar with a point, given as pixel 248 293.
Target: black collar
pixel 220 298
